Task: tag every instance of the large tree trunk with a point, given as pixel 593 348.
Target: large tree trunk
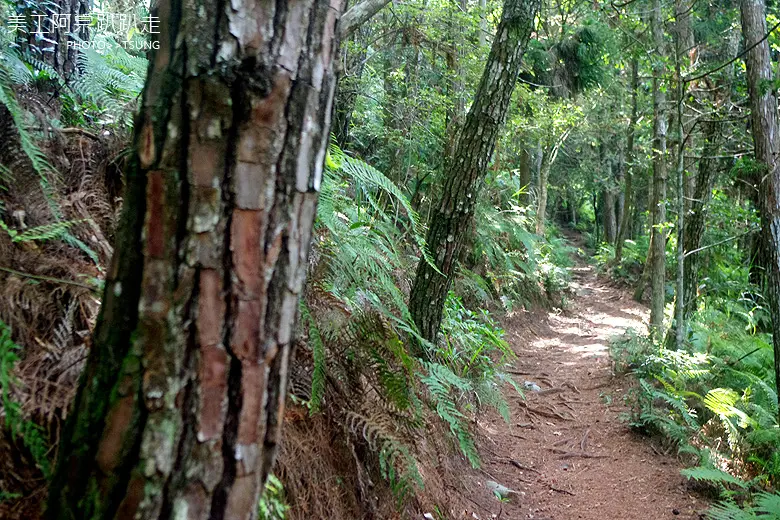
pixel 180 408
pixel 466 169
pixel 763 113
pixel 658 201
pixel 629 164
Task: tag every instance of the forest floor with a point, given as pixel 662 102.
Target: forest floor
pixel 566 453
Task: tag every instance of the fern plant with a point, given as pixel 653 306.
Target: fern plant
pixel 396 463
pixel 39 233
pixel 111 79
pixel 272 504
pixel 767 507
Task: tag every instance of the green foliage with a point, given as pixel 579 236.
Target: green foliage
pixel 767 507
pixel 713 475
pixel 272 504
pixel 111 81
pixel 445 387
pixel 359 325
pixel 30 433
pixel 508 262
pixel 632 262
pixel 40 233
pixel 716 402
pixel 396 463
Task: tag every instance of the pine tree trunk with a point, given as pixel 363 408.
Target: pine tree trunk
pixel 180 408
pixel 763 112
pixel 465 170
pixel 658 201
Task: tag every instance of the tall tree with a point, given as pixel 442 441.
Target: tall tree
pixel 465 170
pixel 180 407
pixel 657 257
pixel 763 119
pixel 628 192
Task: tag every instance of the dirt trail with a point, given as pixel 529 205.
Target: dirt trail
pixel 566 453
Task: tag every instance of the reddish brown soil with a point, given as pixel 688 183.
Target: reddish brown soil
pixel 566 452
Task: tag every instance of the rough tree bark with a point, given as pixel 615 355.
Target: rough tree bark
pixel 180 408
pixel 763 117
pixel 658 201
pixel 466 169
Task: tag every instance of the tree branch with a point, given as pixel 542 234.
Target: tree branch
pixel 359 14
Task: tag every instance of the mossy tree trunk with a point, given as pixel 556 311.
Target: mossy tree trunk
pixel 180 408
pixel 763 117
pixel 465 170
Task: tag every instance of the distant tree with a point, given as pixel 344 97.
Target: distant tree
pixel 465 170
pixel 180 407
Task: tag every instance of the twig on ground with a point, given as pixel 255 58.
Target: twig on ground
pixel 544 413
pixel 584 441
pixel 567 384
pixel 572 454
pixel 523 467
pixel 564 491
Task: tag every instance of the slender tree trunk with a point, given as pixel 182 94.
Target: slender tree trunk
pixel 658 201
pixel 348 86
pixel 482 38
pixel 679 308
pixel 467 167
pixel 697 215
pixel 541 190
pixel 608 211
pixel 179 411
pixel 525 175
pixel 763 112
pixel 456 110
pixel 629 164
pixel 56 22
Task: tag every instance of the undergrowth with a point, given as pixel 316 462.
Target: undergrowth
pixel 358 324
pixel 715 403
